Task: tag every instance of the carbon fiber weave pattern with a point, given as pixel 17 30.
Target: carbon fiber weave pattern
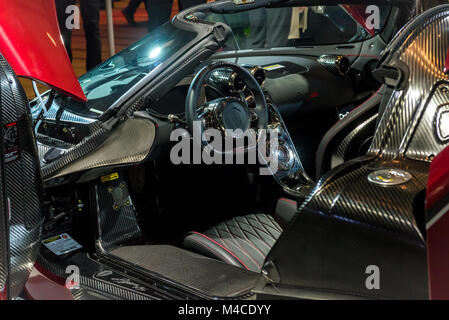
pixel 91 280
pixel 117 221
pixel 22 180
pixel 131 142
pixel 340 152
pixel 350 195
pixel 88 144
pixel 4 223
pixel 419 50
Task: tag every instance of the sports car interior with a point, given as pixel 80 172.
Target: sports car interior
pixel 323 79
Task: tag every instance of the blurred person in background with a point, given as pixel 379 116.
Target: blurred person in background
pixel 131 9
pixel 269 27
pixel 159 12
pixel 90 13
pixel 275 27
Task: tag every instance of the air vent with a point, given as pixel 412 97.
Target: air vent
pixel 337 64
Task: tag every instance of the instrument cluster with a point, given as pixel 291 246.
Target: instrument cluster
pixel 227 80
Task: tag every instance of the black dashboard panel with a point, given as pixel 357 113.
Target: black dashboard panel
pixel 295 84
pixel 303 80
pixel 173 102
pixel 282 69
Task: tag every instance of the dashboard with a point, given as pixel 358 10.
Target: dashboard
pixel 295 84
pixel 284 80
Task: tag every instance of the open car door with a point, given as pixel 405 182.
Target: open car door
pixel 30 46
pixel 31 42
pixel 21 214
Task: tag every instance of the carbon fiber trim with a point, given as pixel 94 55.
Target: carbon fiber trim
pixel 201 276
pixel 130 142
pixel 94 278
pixel 116 215
pixel 66 116
pixel 52 142
pixel 4 219
pixel 98 136
pixel 350 195
pixel 409 121
pixel 340 153
pixel 23 185
pixel 226 80
pixel 338 65
pixel 45 143
pixel 347 224
pixel 427 140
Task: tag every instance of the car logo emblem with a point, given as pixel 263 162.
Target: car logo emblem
pixel 389 177
pixel 235 118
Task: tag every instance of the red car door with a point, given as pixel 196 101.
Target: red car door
pixel 437 210
pixel 31 42
pixel 30 46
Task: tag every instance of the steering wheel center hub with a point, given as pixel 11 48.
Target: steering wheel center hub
pixel 234 115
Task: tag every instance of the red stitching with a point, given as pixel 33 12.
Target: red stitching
pixel 242 249
pixel 250 242
pixel 210 249
pixel 222 247
pixel 289 201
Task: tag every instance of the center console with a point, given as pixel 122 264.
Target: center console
pixel 290 174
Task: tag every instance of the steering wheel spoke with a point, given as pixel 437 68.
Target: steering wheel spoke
pixel 203 110
pixel 231 112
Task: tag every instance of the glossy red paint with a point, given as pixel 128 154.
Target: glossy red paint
pixel 357 12
pixel 446 63
pixel 438 259
pixel 31 42
pixel 438 227
pixel 314 95
pixel 438 183
pixel 39 287
pixel 289 201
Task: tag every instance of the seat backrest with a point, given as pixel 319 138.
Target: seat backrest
pixel 349 136
pixel 21 213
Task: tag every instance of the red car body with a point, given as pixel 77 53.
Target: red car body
pixel 437 205
pixel 31 42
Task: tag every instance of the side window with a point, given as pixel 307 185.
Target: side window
pixel 240 28
pixel 296 26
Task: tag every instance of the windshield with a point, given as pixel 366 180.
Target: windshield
pixel 258 28
pixel 298 26
pixel 107 82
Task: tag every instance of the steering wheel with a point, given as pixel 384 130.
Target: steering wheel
pixel 227 112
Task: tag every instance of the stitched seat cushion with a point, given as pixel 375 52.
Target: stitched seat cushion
pixel 242 241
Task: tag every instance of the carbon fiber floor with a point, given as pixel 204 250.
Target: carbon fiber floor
pixel 212 277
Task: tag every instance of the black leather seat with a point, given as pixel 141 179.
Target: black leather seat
pixel 243 241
